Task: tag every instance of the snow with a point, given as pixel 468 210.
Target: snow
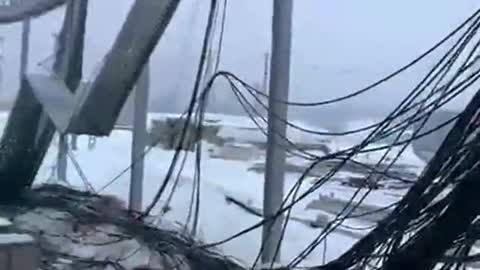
pixel 219 219
pixel 15 238
pixel 99 243
pixel 4 222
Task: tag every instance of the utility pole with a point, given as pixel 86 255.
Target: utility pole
pixel 264 86
pixel 275 159
pixel 25 48
pixel 266 66
pixel 139 139
pixel 62 161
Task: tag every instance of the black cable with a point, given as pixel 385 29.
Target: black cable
pixel 345 259
pixel 386 78
pixel 253 92
pixel 196 88
pixel 354 131
pixel 315 243
pixel 217 63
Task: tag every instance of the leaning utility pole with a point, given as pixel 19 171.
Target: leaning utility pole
pixel 277 113
pixel 139 139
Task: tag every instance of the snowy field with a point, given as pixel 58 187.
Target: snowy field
pixel 218 218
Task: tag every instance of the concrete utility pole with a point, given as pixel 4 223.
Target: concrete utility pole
pixel 139 139
pixel 275 160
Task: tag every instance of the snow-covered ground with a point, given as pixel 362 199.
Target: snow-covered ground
pixel 218 218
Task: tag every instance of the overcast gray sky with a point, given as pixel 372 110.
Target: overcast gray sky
pixel 338 45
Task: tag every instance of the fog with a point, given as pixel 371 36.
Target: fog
pixel 338 47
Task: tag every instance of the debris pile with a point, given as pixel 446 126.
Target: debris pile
pixel 79 230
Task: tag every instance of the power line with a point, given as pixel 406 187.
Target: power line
pixel 386 78
pixel 196 89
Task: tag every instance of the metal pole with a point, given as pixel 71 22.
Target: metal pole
pixel 275 160
pixel 73 15
pixel 62 158
pixel 62 161
pixel 74 141
pixel 265 73
pixel 139 139
pixel 264 86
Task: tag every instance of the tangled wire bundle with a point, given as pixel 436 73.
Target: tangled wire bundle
pixel 85 214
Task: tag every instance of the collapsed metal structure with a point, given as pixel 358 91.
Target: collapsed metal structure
pixel 49 103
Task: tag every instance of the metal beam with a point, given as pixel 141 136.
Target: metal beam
pixel 137 39
pixel 94 110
